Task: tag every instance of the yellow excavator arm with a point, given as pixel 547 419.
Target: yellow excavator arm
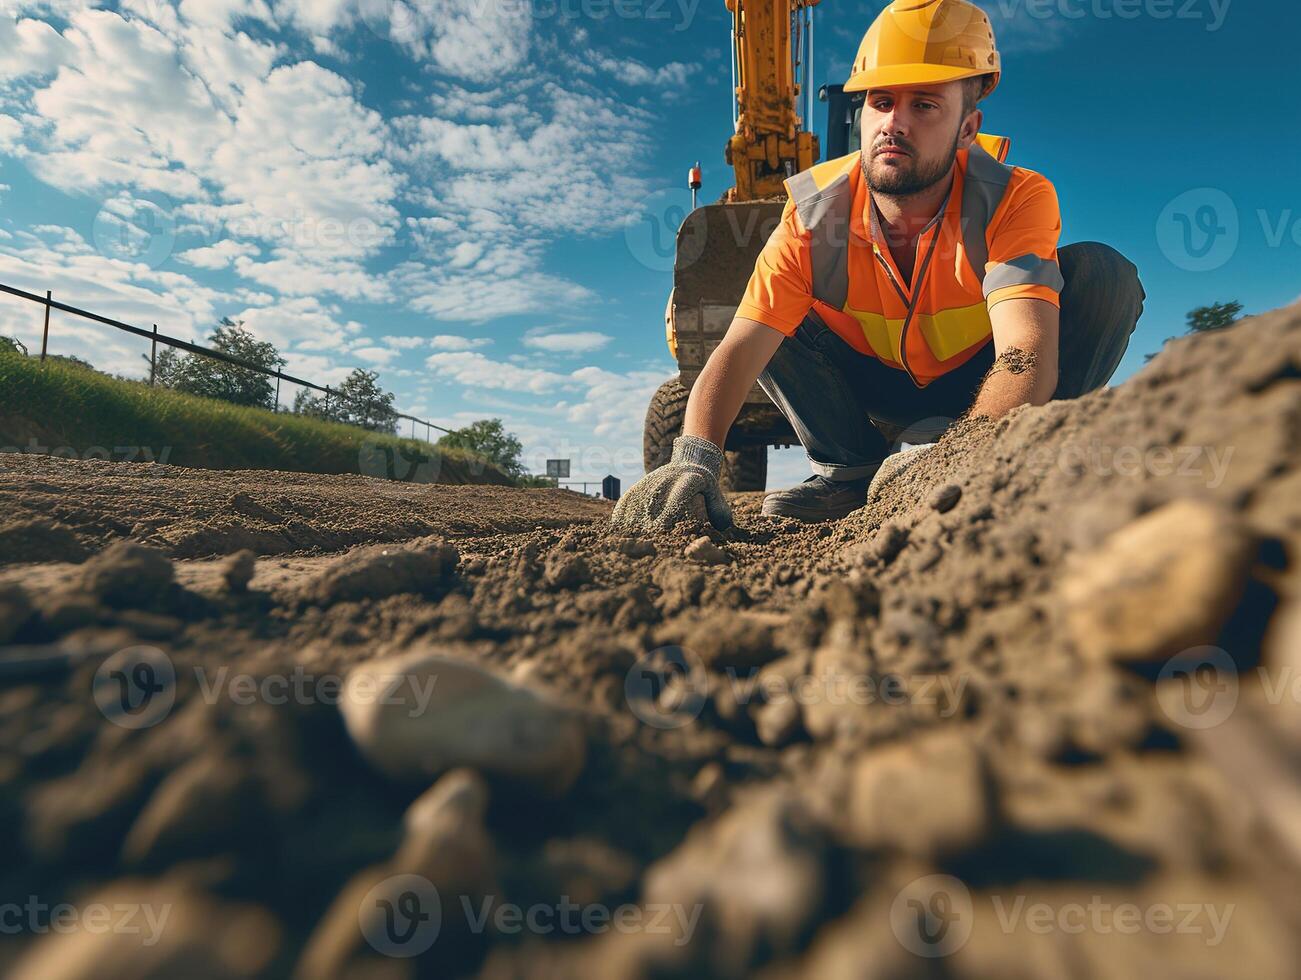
pixel 772 48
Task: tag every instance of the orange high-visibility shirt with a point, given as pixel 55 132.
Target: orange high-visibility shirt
pixel 951 322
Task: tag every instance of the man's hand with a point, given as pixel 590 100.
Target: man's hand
pixel 664 497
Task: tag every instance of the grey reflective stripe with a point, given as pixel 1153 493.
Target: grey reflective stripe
pixel 984 184
pixel 825 214
pixel 1027 270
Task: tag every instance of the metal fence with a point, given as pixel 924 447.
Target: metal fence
pixel 155 338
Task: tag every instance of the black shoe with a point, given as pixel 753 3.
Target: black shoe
pixel 817 499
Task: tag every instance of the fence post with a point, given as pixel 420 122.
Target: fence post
pixel 428 434
pixel 45 336
pixel 277 408
pixel 153 357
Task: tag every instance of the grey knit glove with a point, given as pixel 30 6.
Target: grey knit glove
pixel 663 497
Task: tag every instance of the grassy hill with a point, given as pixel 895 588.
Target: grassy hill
pixel 78 413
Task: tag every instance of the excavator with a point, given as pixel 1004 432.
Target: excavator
pixel 717 245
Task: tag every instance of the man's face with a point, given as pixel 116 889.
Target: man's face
pixel 911 136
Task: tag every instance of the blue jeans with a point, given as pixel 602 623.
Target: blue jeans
pixel 830 393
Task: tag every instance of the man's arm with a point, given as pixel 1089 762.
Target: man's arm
pixel 719 392
pixel 1025 365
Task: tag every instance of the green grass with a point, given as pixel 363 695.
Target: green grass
pixel 83 414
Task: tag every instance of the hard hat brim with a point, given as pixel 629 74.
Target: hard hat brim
pixel 899 76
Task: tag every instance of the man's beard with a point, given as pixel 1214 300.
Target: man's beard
pixel 907 181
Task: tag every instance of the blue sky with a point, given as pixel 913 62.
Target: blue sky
pixel 469 196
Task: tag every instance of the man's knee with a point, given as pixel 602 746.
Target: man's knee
pixel 1097 275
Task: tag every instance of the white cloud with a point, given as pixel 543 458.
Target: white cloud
pixel 578 342
pixel 302 323
pixel 178 112
pixel 476 371
pixel 218 256
pixel 455 342
pixel 632 72
pixel 405 343
pixel 10 133
pixel 30 47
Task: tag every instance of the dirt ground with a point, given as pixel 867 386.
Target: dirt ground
pixel 1030 713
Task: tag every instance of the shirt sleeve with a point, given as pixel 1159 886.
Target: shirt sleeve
pixel 780 293
pixel 1023 244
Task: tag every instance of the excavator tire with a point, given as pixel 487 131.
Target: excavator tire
pixel 743 469
pixel 668 407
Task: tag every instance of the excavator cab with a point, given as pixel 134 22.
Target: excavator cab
pixel 717 247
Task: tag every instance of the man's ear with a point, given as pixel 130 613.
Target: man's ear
pixel 970 127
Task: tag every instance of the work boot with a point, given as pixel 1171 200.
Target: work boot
pixel 817 499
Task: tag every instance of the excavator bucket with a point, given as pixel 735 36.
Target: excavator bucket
pixel 716 252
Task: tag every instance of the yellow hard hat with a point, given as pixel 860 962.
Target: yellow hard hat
pixel 913 42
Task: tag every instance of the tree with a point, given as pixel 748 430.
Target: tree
pixel 359 400
pixel 211 378
pixel 12 345
pixel 1205 319
pixel 1217 316
pixel 489 439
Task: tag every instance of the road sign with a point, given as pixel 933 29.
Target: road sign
pixel 558 469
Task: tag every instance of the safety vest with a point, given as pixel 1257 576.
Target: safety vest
pixel 824 200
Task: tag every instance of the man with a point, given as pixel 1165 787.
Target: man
pixel 914 281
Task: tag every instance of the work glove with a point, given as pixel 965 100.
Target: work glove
pixel 664 496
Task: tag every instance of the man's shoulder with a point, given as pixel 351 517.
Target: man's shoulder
pixel 1027 184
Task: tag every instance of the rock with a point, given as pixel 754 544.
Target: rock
pixel 38 539
pixel 836 701
pixel 15 610
pixel 889 541
pixel 679 585
pixel 759 873
pixel 128 575
pixel 207 803
pixel 565 570
pixel 634 548
pixel 384 570
pixel 77 817
pixel 165 928
pixel 64 612
pixel 1109 711
pixel 705 552
pixel 736 641
pixel 1162 584
pixel 446 863
pixel 237 571
pixel 945 498
pixel 928 798
pixel 777 722
pixel 416 716
pixel 587 870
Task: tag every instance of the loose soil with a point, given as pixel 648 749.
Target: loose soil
pixel 957 733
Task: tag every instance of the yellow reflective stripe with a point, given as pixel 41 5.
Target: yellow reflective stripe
pixel 882 335
pixel 948 333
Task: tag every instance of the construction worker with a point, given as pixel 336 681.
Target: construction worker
pixel 917 279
